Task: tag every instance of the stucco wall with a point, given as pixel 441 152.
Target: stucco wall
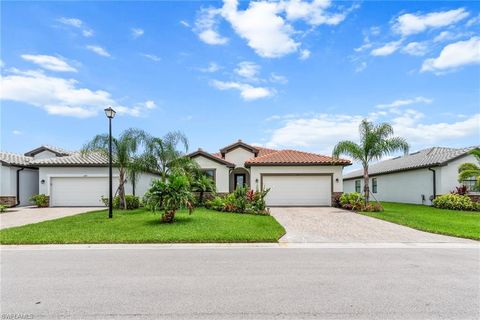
pixel 44 155
pixel 405 187
pixel 221 172
pixel 255 172
pixel 28 183
pixel 448 176
pixel 238 156
pixel 45 173
pixel 7 181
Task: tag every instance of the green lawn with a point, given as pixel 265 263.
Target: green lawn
pixel 465 224
pixel 141 226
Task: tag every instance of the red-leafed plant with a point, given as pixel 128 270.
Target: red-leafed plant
pixel 462 190
pixel 250 195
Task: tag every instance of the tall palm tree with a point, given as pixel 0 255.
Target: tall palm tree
pixel 376 141
pixel 163 155
pixel 471 170
pixel 124 155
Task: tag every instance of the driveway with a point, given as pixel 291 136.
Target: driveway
pixel 20 216
pixel 310 225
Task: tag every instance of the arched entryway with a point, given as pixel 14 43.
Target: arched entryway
pixel 239 177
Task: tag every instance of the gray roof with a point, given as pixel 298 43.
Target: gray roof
pixel 10 158
pixel 58 151
pixel 431 157
pixel 76 159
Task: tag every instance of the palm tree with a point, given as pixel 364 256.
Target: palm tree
pixel 471 170
pixel 124 155
pixel 203 184
pixel 376 141
pixel 163 156
pixel 176 195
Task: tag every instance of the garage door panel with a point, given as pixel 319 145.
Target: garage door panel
pixel 79 191
pixel 298 190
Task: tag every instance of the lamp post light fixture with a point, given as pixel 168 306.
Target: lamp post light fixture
pixel 110 113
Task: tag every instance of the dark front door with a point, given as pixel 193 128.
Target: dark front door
pixel 239 180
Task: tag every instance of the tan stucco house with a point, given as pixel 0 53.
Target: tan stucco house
pixel 295 178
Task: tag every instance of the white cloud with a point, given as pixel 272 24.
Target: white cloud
pixel 206 26
pixel 473 21
pixel 313 12
pixel 185 23
pixel 150 104
pixel 49 62
pixel 305 54
pixel 137 32
pixel 416 48
pixel 247 92
pixel 455 55
pixel 17 132
pixel 152 57
pixel 276 78
pixel 99 50
pixel 404 102
pixel 57 96
pixel 386 49
pixel 77 23
pixel 322 131
pixel 212 67
pixel 248 70
pixel 409 23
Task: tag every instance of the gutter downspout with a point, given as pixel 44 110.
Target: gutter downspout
pixel 434 182
pixel 18 187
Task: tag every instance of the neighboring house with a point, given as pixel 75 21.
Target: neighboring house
pixel 295 178
pixel 414 178
pixel 68 178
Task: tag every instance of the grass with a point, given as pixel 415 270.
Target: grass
pixel 141 226
pixel 464 224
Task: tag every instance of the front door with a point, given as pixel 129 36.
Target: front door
pixel 239 180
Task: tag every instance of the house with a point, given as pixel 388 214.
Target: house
pixel 295 178
pixel 415 178
pixel 68 178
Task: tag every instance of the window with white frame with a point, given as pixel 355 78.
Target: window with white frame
pixel 358 186
pixel 374 185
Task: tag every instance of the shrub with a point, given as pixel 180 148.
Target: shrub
pixel 336 201
pixel 40 200
pixel 462 190
pixel 455 202
pixel 352 201
pixel 240 201
pixel 133 202
pixel 372 207
pixel 3 208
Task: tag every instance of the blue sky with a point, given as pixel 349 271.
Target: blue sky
pixel 289 74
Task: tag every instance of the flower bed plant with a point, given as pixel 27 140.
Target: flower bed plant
pixel 132 202
pixel 40 200
pixel 242 200
pixel 455 202
pixel 356 202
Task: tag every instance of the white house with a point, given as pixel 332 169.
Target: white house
pixel 414 178
pixel 295 178
pixel 68 178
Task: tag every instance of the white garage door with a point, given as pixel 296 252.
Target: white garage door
pixel 79 191
pixel 298 190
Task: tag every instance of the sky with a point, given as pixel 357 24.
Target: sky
pixel 286 74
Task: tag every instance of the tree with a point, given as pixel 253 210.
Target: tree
pixel 124 155
pixel 376 142
pixel 471 170
pixel 202 184
pixel 163 156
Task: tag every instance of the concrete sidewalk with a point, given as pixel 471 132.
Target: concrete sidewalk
pixel 20 216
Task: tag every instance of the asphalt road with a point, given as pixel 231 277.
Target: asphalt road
pixel 241 283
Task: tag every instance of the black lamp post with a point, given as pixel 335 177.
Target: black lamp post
pixel 110 113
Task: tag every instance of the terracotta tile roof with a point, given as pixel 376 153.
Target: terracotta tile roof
pixel 294 157
pixel 264 151
pixel 14 159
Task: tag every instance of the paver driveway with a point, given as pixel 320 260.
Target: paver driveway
pixel 20 216
pixel 337 225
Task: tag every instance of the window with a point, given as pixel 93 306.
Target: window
pixel 470 184
pixel 209 173
pixel 357 186
pixel 374 185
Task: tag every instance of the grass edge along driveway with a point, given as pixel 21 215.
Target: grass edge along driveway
pixel 463 224
pixel 143 226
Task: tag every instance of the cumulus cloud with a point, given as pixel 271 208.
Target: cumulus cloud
pixel 57 96
pixel 247 91
pixel 247 70
pixel 211 68
pixel 276 78
pixel 151 57
pixel 267 26
pixel 416 48
pixel 305 54
pixel 409 23
pixel 78 24
pixel 137 32
pixel 386 49
pixel 455 55
pixel 99 50
pixel 49 62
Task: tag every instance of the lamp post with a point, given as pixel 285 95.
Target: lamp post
pixel 110 113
